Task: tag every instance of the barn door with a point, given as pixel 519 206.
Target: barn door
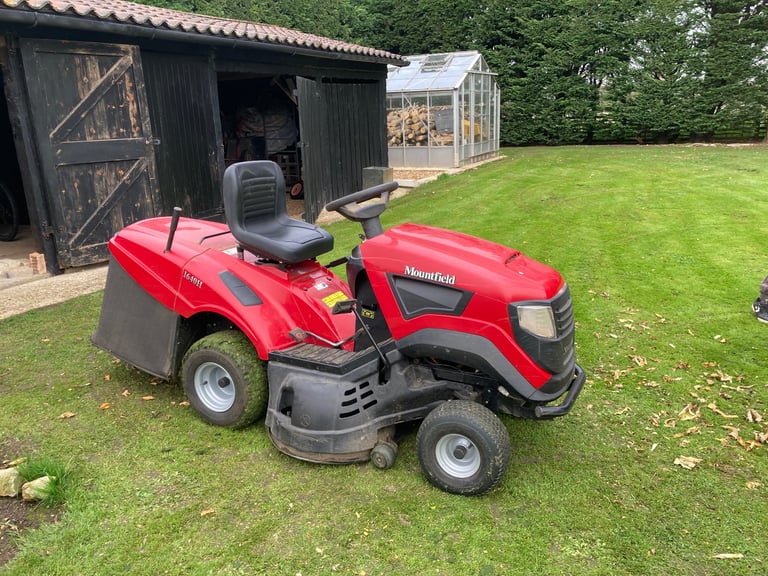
pixel 91 123
pixel 343 130
pixel 315 164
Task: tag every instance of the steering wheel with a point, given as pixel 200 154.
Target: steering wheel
pixel 352 208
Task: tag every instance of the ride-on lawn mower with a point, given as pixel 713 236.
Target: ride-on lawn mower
pixel 431 325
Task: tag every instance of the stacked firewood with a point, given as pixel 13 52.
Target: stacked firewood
pixel 415 126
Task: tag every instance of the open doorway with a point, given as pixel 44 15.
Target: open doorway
pixel 10 177
pixel 260 121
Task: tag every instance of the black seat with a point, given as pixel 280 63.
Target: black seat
pixel 254 205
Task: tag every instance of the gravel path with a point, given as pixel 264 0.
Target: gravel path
pixel 42 291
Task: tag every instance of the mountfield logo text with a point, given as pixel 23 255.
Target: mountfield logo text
pixel 433 276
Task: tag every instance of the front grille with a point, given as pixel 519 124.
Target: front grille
pixel 553 354
pixel 562 308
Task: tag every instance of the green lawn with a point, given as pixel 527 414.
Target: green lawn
pixel 664 250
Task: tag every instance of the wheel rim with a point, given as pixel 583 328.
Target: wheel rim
pixel 457 455
pixel 214 387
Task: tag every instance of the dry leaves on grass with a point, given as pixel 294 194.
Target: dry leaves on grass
pixel 687 462
pixel 712 406
pixel 689 412
pixel 708 414
pixel 753 416
pixel 735 434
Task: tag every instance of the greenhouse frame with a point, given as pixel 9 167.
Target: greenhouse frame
pixel 429 98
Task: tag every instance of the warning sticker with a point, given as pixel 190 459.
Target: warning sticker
pixel 331 300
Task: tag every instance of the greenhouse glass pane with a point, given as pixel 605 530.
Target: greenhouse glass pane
pixel 465 115
pixel 441 119
pixel 396 84
pixel 479 128
pixel 423 82
pixel 450 79
pixel 395 120
pixel 436 62
pixel 415 120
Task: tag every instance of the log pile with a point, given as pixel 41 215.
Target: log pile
pixel 415 126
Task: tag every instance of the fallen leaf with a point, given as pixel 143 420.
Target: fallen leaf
pixel 147 397
pixel 184 403
pixel 687 462
pixel 690 412
pixel 728 556
pixel 623 411
pixel 66 415
pixel 754 416
pixel 753 485
pixel 105 406
pixel 107 377
pixel 722 376
pixel 712 406
pixel 692 430
pixel 207 512
pixel 126 393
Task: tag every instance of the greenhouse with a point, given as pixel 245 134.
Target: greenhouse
pixel 442 111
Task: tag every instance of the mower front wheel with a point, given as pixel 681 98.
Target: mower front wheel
pixel 463 448
pixel 225 380
pixel 383 455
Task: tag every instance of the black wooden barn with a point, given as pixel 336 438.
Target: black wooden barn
pixel 112 111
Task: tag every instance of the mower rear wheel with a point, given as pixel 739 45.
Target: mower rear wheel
pixel 224 379
pixel 463 448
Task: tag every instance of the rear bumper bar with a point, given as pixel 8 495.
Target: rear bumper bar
pixel 544 412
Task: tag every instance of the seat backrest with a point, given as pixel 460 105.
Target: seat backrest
pixel 253 192
pixel 255 209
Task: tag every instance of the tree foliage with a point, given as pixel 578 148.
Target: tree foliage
pixel 569 70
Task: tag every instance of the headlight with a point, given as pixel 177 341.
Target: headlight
pixel 537 320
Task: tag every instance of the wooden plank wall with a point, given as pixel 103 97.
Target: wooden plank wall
pixel 183 103
pixel 343 131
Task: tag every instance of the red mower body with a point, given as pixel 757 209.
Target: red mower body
pixel 490 275
pixel 203 275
